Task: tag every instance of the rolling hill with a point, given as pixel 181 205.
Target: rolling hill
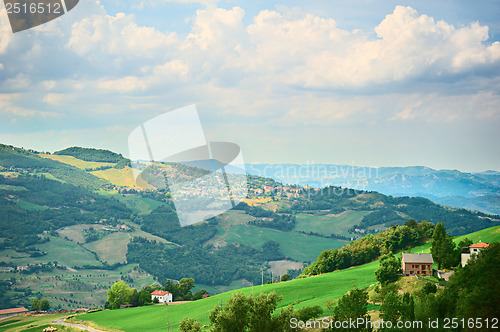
pixel 50 203
pixel 310 291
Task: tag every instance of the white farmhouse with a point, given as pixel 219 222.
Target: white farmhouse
pixel 162 296
pixel 473 249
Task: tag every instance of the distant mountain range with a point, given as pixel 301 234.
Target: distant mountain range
pixel 475 191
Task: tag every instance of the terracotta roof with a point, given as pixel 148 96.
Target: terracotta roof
pixel 13 311
pixel 479 245
pixel 160 293
pixel 417 258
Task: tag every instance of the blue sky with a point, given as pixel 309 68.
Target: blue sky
pixel 374 83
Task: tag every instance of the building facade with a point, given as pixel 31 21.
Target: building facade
pixel 473 249
pixel 416 264
pixel 162 296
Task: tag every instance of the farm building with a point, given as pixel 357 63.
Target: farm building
pixel 12 312
pixel 162 296
pixel 473 249
pixel 416 264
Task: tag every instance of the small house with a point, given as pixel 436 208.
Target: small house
pixel 473 249
pixel 162 296
pixel 417 264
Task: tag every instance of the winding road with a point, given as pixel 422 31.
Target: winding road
pixel 60 321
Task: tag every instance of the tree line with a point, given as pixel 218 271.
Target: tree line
pixel 370 247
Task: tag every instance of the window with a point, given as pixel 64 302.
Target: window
pixel 423 267
pixel 417 266
pixel 413 266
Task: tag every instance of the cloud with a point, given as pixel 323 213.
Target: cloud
pixel 117 35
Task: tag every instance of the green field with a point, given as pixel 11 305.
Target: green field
pixel 298 247
pixel 139 204
pixel 64 252
pixel 113 247
pixel 30 323
pixel 30 206
pixel 328 224
pixel 308 292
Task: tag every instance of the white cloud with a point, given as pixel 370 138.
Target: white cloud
pixel 118 35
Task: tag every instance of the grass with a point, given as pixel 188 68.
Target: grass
pixel 139 204
pixel 304 292
pixel 122 177
pixel 28 322
pixel 30 206
pixel 64 252
pixel 76 162
pixel 113 247
pixel 297 246
pixel 11 188
pixel 328 224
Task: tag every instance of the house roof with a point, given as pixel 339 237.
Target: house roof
pixel 417 258
pixel 479 245
pixel 13 311
pixel 160 293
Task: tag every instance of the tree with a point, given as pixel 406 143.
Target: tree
pixel 119 294
pixel 251 314
pixel 35 305
pixel 44 305
pixel 134 298
pixel 391 307
pixel 471 290
pixel 353 305
pixel 144 297
pixel 388 270
pixel 442 247
pixel 189 325
pixel 285 277
pixel 200 294
pixel 330 304
pixel 308 313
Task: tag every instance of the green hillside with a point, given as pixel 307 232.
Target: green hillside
pixel 304 292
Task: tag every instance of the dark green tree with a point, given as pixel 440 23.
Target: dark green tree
pixel 442 247
pixel 285 277
pixel 353 305
pixel 471 290
pixel 389 269
pixel 189 325
pixel 35 305
pixel 144 297
pixel 251 314
pixel 44 305
pixel 391 307
pixel 134 298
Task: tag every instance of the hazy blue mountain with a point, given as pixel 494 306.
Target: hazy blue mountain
pixel 477 191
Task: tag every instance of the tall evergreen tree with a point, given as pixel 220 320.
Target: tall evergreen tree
pixel 442 247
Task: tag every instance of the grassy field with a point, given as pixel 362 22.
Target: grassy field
pixel 76 162
pixel 113 247
pixel 304 292
pixel 297 246
pixel 31 323
pixel 139 204
pixel 122 177
pixel 328 224
pixel 64 252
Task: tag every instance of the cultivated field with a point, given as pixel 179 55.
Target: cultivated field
pixel 328 224
pixel 297 246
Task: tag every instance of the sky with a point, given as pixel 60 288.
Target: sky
pixel 363 82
